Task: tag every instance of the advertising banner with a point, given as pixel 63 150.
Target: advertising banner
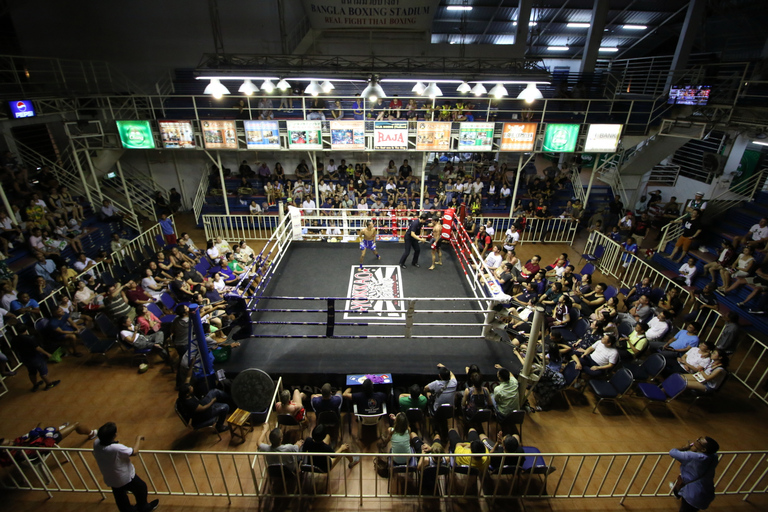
pixel 177 134
pixel 304 135
pixel 603 138
pixel 433 136
pixel 348 135
pixel 476 136
pixel 262 134
pixel 219 134
pixel 561 138
pixel 415 15
pixel 135 134
pixel 21 109
pixel 518 136
pixel 390 135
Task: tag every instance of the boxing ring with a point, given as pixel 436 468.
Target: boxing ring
pixel 314 304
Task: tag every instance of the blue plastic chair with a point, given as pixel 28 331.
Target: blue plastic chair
pixel 588 268
pixel 613 389
pixel 649 369
pixel 166 319
pixel 672 387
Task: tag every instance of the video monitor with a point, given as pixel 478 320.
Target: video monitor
pixel 689 94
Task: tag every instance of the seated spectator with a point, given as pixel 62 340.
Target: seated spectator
pixel 670 302
pixel 131 335
pixel 414 399
pixel 640 312
pixel 65 330
pixel 276 445
pixel 146 321
pixel 742 267
pixel 713 375
pixel 473 452
pixel 509 443
pixel 705 304
pixel 658 327
pixel 368 401
pixel 400 436
pixel 84 264
pixel 530 268
pixel 693 360
pixel 116 303
pixel 634 293
pixel 723 261
pixel 70 202
pixel 24 304
pixel 32 355
pixel 37 244
pixel 187 244
pixel 683 340
pixel 292 405
pixel 150 286
pixel 579 346
pixel 200 410
pixel 442 390
pixel 632 346
pixel 179 288
pixel 41 289
pixel 326 400
pixel 561 314
pixel 755 238
pixel 476 397
pixel 320 442
pixel 687 272
pixel 110 213
pixel 10 294
pixel 598 359
pixel 590 301
pixel 86 299
pixel 505 396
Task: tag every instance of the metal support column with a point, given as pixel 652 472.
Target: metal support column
pixel 591 179
pixel 82 175
pixel 694 17
pixel 313 160
pixel 179 180
pixel 125 185
pixel 594 36
pixel 521 31
pixel 93 173
pixel 223 185
pixel 423 179
pixel 517 184
pixel 530 354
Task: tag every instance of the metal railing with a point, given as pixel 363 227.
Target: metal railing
pixel 610 175
pixel 534 475
pixel 578 186
pixel 561 230
pixel 742 192
pixel 199 200
pixel 664 175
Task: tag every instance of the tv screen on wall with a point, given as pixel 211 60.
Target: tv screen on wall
pixel 689 94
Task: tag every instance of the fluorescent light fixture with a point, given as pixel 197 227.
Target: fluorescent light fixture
pixel 267 86
pixel 634 27
pixel 608 49
pixel 479 89
pixel 558 48
pixel 419 88
pixel 248 88
pixel 498 91
pixel 459 7
pixel 283 85
pixel 327 86
pixel 373 91
pixel 760 142
pixel 578 25
pixel 216 88
pixel 530 23
pixel 530 94
pixel 464 87
pixel 433 91
pixel 313 88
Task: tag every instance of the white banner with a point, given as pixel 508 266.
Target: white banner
pixel 602 138
pixel 371 14
pixel 390 135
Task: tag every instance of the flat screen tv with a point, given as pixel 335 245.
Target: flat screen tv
pixel 689 94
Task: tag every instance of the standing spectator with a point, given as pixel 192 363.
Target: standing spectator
pixel 118 471
pixel 695 487
pixel 443 390
pixel 692 228
pixel 505 396
pixel 167 227
pixel 34 357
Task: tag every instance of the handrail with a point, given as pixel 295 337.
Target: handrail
pixel 550 475
pixel 199 200
pixel 578 186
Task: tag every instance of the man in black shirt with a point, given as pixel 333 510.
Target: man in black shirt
pixel 320 443
pixel 33 356
pixel 412 239
pixel 213 405
pixel 691 230
pixel 405 171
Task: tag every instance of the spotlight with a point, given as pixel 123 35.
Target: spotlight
pixel 530 93
pixel 327 86
pixel 419 88
pixel 479 89
pixel 283 85
pixel 313 88
pixel 373 91
pixel 498 91
pixel 433 91
pixel 248 88
pixel 464 88
pixel 268 86
pixel 216 88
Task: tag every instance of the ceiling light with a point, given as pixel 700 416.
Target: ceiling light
pixel 634 27
pixel 283 85
pixel 248 88
pixel 459 7
pixel 464 87
pixel 530 23
pixel 760 142
pixel 313 88
pixel 373 90
pixel 530 94
pixel 327 86
pixel 498 91
pixel 433 91
pixel 267 86
pixel 479 89
pixel 419 88
pixel 608 49
pixel 558 48
pixel 216 88
pixel 578 25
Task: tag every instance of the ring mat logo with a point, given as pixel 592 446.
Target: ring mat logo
pixel 369 287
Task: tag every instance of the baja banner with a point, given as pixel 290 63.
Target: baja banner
pixel 304 134
pixel 262 134
pixel 348 135
pixel 368 289
pixel 603 138
pixel 177 134
pixel 414 15
pixel 561 138
pixel 136 134
pixel 476 136
pixel 433 136
pixel 390 135
pixel 518 137
pixel 219 134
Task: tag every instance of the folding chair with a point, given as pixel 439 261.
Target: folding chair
pixel 94 344
pixel 671 388
pixel 613 389
pixel 166 319
pixel 649 369
pixel 209 423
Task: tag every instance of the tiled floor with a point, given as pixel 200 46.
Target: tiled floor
pixel 94 391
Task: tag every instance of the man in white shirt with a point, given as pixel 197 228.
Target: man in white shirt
pixel 308 205
pixel 599 358
pixel 506 194
pixel 84 264
pixel 118 471
pixel 109 213
pixel 331 169
pixel 477 189
pixel 324 189
pixel 756 236
pixel 490 229
pixel 494 259
pixel 657 327
pixel 511 237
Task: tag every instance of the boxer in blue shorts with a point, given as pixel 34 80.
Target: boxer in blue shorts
pixel 368 241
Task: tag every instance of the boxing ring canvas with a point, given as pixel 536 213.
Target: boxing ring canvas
pixel 442 325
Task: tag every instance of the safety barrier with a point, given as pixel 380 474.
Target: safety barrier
pixel 560 230
pixel 535 475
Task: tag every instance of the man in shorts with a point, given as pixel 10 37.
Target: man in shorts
pixel 692 228
pixel 368 241
pixel 437 240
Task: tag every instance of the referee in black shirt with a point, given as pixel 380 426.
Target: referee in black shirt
pixel 412 239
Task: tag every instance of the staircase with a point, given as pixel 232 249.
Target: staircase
pixel 610 175
pixel 651 153
pixel 141 188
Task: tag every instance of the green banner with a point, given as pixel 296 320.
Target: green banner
pixel 136 134
pixel 746 169
pixel 561 138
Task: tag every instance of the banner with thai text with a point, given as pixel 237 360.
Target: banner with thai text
pixel 433 136
pixel 413 15
pixel 518 137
